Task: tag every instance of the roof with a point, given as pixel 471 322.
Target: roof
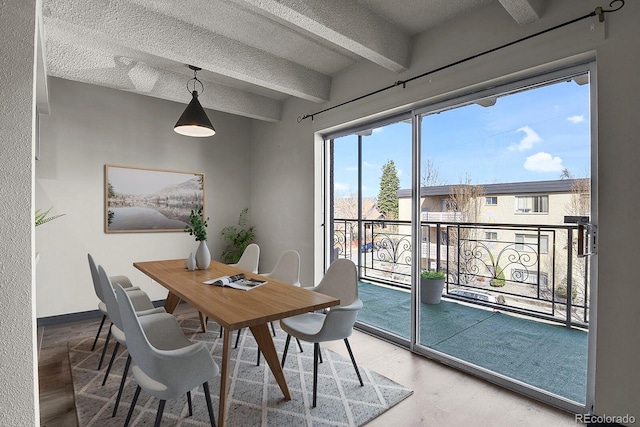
pixel 529 187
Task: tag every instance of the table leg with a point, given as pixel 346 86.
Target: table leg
pixel 203 321
pixel 224 376
pixel 265 343
pixel 171 302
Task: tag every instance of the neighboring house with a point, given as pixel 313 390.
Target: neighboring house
pixel 519 219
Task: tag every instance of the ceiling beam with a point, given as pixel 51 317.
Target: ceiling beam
pixel 343 23
pixel 523 11
pixel 74 55
pixel 150 32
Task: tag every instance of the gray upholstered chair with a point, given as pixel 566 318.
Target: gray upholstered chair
pixel 165 363
pixel 340 281
pixel 150 317
pixel 141 302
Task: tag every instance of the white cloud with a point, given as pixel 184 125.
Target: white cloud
pixel 369 165
pixel 530 138
pixel 339 187
pixel 543 162
pixel 576 119
pixel 378 130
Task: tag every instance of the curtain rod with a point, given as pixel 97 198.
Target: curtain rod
pixel 599 11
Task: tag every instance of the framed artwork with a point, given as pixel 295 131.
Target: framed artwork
pixel 149 200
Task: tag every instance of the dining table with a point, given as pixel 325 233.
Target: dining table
pixel 234 309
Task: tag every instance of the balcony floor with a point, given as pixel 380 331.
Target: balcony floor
pixel 547 356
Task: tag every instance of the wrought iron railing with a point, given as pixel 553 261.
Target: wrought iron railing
pixel 528 269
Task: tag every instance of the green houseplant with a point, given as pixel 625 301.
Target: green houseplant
pixel 237 238
pixel 198 227
pixel 431 286
pixel 498 281
pixel 41 216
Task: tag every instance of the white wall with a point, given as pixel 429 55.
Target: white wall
pixel 90 126
pixel 18 399
pixel 283 154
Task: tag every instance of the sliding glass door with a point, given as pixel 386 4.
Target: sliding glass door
pixel 488 189
pixel 369 167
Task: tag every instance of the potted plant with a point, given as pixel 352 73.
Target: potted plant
pixel 42 218
pixel 198 227
pixel 237 239
pixel 431 285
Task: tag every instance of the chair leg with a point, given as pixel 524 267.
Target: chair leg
pixel 320 356
pixel 207 396
pixel 159 414
pixel 220 331
pixel 299 346
pixel 93 347
pixel 104 349
pixel 273 329
pixel 238 338
pixel 113 356
pixel 316 352
pixel 189 403
pixel 258 362
pixel 133 405
pixel 124 379
pixel 353 360
pixel 286 347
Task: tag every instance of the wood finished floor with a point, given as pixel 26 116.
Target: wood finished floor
pixel 442 395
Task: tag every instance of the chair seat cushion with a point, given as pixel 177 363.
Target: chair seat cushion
pixel 304 326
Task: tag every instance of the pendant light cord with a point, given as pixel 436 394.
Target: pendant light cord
pixel 599 11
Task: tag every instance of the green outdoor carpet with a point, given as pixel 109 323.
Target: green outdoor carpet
pixel 548 356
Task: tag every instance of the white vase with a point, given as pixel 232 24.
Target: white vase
pixel 203 256
pixel 190 263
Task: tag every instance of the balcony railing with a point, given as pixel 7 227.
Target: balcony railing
pixel 527 269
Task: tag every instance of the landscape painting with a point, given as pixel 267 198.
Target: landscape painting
pixel 147 200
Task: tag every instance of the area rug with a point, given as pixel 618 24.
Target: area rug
pixel 254 396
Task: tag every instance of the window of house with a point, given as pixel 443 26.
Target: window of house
pixel 529 243
pixel 491 200
pixel 532 204
pixel 530 277
pixel 491 235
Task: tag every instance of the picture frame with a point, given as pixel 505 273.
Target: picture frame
pixel 143 200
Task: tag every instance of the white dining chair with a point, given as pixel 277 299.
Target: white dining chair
pixel 340 281
pixel 250 258
pixel 141 302
pixel 248 261
pixel 148 318
pixel 166 365
pixel 287 269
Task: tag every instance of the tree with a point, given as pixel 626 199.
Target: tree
pixel 467 199
pixel 430 175
pixel 389 186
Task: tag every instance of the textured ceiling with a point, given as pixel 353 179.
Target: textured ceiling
pixel 254 54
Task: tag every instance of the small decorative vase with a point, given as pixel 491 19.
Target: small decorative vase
pixel 203 256
pixel 190 263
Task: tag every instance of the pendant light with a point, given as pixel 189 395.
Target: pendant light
pixel 194 120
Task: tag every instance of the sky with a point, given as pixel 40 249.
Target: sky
pixel 526 136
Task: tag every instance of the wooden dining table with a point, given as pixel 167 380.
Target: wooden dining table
pixel 234 309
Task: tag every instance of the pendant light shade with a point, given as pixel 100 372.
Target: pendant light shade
pixel 194 120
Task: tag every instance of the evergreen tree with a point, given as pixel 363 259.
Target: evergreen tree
pixel 389 186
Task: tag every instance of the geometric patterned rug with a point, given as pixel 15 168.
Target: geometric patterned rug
pixel 254 397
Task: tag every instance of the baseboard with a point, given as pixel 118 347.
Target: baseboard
pixel 82 315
